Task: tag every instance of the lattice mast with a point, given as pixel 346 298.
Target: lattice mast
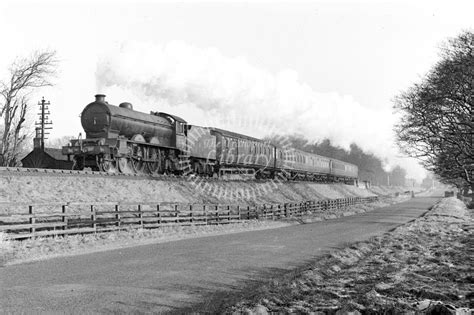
pixel 41 131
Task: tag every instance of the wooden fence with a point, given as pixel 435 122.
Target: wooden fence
pixel 50 219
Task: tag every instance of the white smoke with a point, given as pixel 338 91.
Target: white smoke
pixel 206 88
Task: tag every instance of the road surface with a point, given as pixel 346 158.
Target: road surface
pixel 179 275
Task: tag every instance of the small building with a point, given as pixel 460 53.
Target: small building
pixel 42 157
pixel 47 158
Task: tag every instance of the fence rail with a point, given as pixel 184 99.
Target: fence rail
pixel 51 219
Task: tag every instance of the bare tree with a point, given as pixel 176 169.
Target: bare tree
pixel 26 74
pixel 437 124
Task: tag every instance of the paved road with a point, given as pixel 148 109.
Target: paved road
pixel 175 275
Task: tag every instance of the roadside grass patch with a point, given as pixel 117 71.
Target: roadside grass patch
pixel 6 249
pixel 422 267
pixel 12 251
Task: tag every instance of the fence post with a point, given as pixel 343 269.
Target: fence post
pixel 176 213
pixel 140 215
pixel 93 218
pixel 32 220
pixel 238 211
pixel 228 212
pixel 217 214
pixel 204 213
pixel 191 214
pixel 64 218
pixel 158 213
pixel 117 215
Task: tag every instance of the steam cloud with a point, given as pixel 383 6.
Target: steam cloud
pixel 206 88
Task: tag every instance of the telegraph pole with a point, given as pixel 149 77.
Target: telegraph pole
pixel 43 122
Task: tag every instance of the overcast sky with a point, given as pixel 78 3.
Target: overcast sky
pixel 318 68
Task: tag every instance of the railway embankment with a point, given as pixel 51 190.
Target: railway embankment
pixel 48 189
pixel 41 189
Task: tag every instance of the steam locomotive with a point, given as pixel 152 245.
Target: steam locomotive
pixel 119 139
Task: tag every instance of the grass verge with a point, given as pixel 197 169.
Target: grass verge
pixel 422 267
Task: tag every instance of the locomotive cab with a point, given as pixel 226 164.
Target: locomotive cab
pixel 179 128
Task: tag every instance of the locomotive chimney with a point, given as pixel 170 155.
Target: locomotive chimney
pixel 100 98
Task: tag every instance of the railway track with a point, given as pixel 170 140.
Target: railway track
pixel 23 171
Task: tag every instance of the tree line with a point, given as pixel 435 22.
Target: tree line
pixel 437 115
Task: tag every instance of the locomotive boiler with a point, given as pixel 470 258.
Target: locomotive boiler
pixel 121 139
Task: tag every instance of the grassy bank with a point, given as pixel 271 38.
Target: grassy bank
pixel 51 189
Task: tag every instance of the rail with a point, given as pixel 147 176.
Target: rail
pixel 53 219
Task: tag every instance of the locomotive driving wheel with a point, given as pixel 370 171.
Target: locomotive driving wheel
pixel 124 165
pixel 107 164
pixel 138 150
pixel 154 163
pixel 138 166
pixel 137 163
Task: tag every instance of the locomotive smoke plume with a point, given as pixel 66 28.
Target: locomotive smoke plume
pixel 209 89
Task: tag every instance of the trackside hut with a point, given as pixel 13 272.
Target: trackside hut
pixel 49 158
